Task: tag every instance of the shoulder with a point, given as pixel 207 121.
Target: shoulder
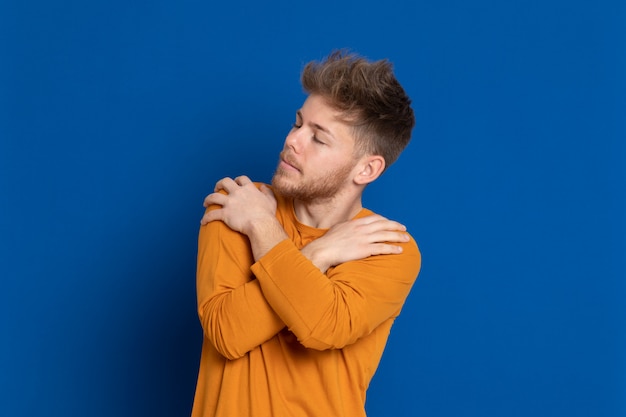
pixel 365 212
pixel 411 256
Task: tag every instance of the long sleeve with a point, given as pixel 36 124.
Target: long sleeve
pixel 233 311
pixel 329 311
pixel 251 363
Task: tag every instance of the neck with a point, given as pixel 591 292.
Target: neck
pixel 327 213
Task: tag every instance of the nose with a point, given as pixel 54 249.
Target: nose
pixel 294 140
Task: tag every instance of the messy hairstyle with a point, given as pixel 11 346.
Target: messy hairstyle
pixel 370 99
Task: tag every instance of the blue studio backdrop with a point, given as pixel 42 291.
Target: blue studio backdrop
pixel 116 119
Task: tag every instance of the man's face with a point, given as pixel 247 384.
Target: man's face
pixel 318 157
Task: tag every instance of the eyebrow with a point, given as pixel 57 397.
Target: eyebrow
pixel 315 125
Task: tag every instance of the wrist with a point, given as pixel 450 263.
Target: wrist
pixel 260 226
pixel 263 235
pixel 315 254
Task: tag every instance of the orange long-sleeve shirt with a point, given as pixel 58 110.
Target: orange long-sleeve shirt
pixel 281 338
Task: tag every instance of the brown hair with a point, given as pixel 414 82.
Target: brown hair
pixel 370 98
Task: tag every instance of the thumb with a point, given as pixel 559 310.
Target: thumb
pixel 267 190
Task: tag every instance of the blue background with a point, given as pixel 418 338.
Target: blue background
pixel 117 117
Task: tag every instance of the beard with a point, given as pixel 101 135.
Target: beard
pixel 323 186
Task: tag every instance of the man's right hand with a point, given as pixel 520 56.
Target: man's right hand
pixel 356 239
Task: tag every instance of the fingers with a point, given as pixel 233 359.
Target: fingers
pixel 381 232
pixel 243 180
pixel 396 237
pixel 378 222
pixel 267 191
pixel 228 184
pixel 225 184
pixel 379 226
pixel 390 225
pixel 211 216
pixel 214 198
pixel 385 249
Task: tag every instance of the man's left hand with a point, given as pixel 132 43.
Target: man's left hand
pixel 242 204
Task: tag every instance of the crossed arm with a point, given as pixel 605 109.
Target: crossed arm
pixel 252 211
pixel 240 311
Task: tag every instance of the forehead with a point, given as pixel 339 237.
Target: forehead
pixel 317 111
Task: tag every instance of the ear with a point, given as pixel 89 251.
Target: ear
pixel 369 168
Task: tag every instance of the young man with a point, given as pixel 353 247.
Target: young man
pixel 298 284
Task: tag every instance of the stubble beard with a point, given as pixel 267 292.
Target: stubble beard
pixel 321 188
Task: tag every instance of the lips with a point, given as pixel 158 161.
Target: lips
pixel 287 160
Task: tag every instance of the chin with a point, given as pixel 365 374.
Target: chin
pixel 286 188
pixel 280 182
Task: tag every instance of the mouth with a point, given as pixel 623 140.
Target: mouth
pixel 287 163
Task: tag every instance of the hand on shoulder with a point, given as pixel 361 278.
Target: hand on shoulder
pixel 239 203
pixel 356 239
